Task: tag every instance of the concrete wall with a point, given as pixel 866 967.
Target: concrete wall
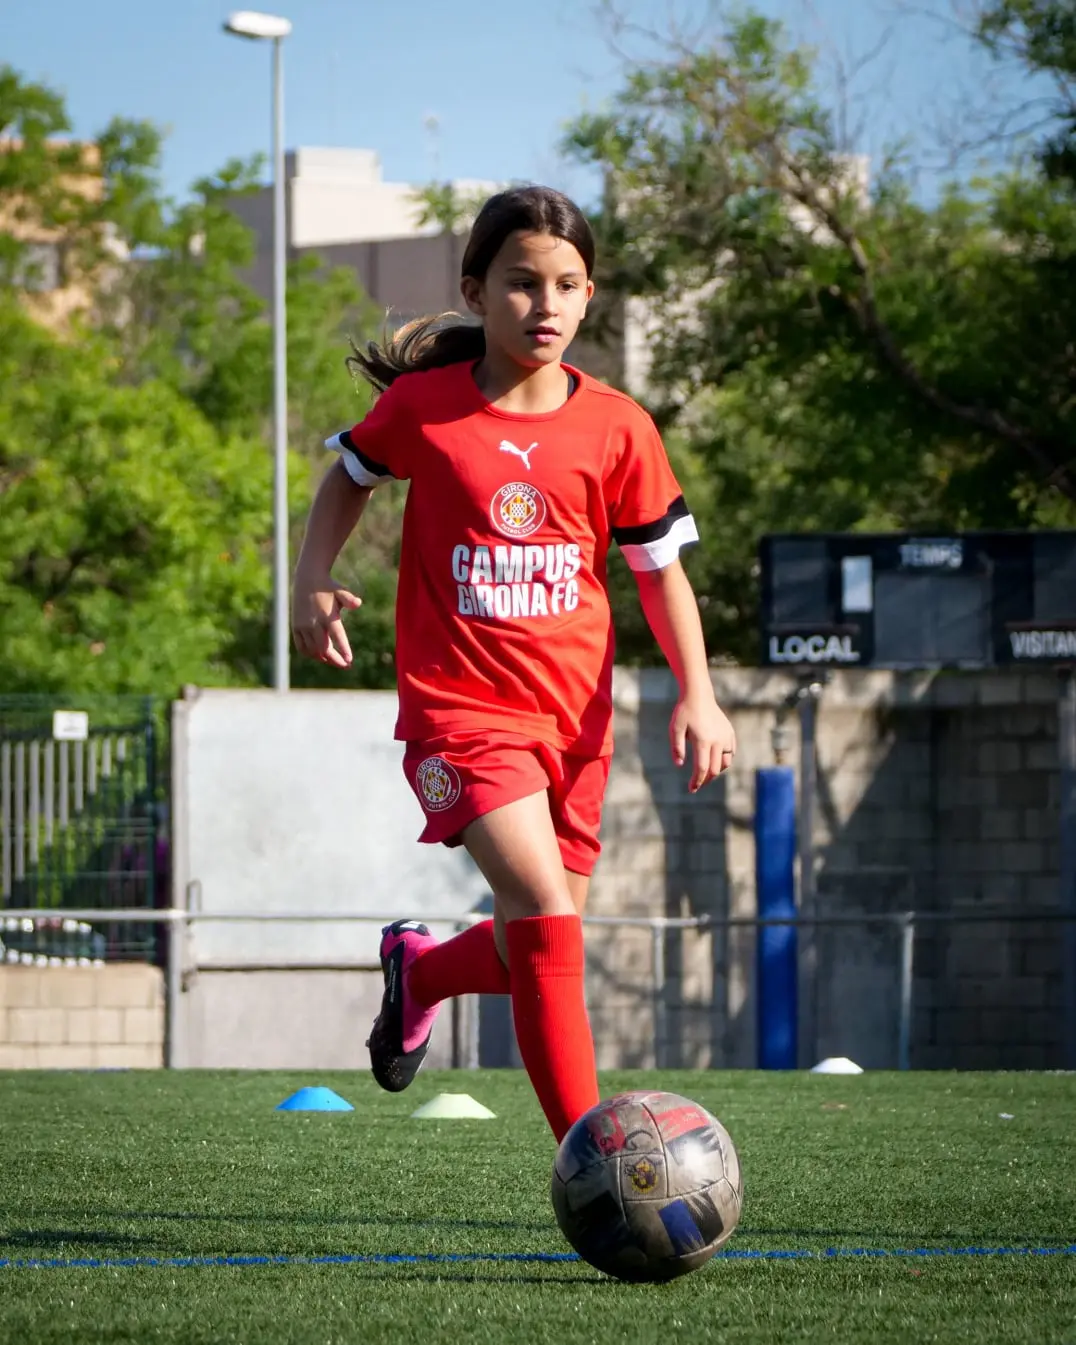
pixel 297 805
pixel 934 793
pixel 81 1017
pixel 300 805
pixel 290 1020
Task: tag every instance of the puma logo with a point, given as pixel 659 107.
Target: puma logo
pixel 506 446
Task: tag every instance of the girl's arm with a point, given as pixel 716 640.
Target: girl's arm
pixel 317 600
pixel 672 613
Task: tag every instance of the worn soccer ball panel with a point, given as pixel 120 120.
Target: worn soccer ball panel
pixel 733 1171
pixel 681 1234
pixel 619 1125
pixel 640 1238
pixel 592 1219
pixel 647 1186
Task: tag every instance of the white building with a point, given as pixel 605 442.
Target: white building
pixel 338 196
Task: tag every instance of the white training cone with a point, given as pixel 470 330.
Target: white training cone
pixel 836 1064
pixel 452 1107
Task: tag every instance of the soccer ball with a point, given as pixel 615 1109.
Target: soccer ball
pixel 647 1186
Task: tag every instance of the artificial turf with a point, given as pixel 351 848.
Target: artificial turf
pixel 971 1178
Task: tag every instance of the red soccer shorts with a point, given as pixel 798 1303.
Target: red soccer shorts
pixel 459 777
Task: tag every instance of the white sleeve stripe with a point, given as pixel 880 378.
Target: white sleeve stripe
pixel 662 551
pixel 358 473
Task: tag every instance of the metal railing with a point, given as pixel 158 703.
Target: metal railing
pixel 182 961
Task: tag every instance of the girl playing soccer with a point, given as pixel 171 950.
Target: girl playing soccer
pixel 522 470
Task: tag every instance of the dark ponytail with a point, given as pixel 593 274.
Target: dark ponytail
pixel 425 343
pixel 451 338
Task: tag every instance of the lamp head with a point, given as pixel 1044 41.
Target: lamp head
pixel 253 24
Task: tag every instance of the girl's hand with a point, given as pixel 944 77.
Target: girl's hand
pixel 699 720
pixel 317 603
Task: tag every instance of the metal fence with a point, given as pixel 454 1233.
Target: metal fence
pixel 80 825
pixel 909 995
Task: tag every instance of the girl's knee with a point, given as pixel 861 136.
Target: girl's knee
pixel 523 903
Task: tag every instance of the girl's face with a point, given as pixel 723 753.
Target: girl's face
pixel 533 298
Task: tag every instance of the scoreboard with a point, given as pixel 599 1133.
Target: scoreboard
pixel 913 601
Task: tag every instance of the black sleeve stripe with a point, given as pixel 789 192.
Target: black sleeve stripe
pixel 374 468
pixel 652 532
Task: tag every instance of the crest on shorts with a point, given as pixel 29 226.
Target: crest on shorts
pixel 517 509
pixel 438 783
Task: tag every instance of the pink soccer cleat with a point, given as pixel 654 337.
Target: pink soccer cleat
pixel 400 1036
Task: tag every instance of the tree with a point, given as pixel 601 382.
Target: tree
pixel 1041 36
pixel 184 314
pixel 835 357
pixel 166 326
pixel 132 535
pixel 75 197
pixel 446 206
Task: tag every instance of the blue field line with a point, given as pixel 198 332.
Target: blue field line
pixel 457 1258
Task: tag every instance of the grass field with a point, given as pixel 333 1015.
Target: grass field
pixel 123 1169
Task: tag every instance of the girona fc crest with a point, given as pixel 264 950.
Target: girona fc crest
pixel 517 509
pixel 438 783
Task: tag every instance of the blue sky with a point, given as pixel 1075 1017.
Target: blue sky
pixel 501 76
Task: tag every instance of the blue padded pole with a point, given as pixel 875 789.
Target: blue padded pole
pixel 775 876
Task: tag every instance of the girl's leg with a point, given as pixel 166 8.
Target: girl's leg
pixel 470 963
pixel 469 772
pixel 518 851
pixel 578 887
pixel 419 971
pixel 474 962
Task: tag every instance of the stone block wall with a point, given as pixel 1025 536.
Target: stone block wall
pixel 934 792
pixel 108 1017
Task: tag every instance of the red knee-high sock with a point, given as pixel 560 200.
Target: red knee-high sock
pixel 545 957
pixel 468 964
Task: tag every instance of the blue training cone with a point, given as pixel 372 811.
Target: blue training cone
pixel 315 1099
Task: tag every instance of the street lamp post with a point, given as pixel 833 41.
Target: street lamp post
pixel 272 28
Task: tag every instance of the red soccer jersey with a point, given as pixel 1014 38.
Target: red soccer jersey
pixel 502 614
